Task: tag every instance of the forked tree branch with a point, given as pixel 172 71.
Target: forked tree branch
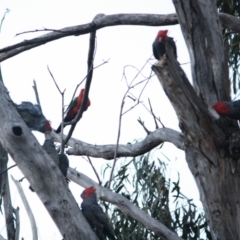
pixel 102 21
pixel 124 205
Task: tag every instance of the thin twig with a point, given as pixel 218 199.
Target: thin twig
pixel 130 86
pixel 7 169
pixel 154 117
pixel 142 124
pixel 41 30
pixel 62 95
pixel 21 179
pixel 36 93
pixel 54 80
pixel 117 144
pixel 95 171
pixel 62 124
pixel 6 11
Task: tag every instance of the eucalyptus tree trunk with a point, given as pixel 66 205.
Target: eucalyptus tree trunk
pixel 211 145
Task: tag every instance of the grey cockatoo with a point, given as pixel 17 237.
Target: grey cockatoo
pixel 95 215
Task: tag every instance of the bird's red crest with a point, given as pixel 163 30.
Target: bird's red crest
pixel 48 127
pixel 162 34
pixel 221 108
pixel 88 192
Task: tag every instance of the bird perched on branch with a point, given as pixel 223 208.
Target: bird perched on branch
pixel 95 215
pixel 32 115
pixel 158 45
pixel 228 109
pixel 74 108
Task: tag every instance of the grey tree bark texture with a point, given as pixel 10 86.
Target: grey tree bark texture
pixel 38 167
pixel 211 155
pixel 214 166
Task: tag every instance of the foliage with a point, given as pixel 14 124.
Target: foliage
pixel 150 192
pixel 232 7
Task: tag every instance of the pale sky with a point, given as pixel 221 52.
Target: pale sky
pixel 67 59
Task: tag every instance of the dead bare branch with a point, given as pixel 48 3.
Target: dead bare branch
pixel 6 195
pixel 154 139
pixel 28 209
pixel 58 88
pixel 143 125
pixel 62 96
pixel 3 18
pixel 123 204
pixel 87 85
pixel 8 169
pixel 227 21
pixel 130 86
pixel 36 93
pixel 95 171
pixel 154 116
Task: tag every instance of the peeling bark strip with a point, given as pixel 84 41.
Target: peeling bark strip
pixel 42 173
pixel 101 21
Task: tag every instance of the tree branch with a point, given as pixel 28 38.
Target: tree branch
pixel 124 205
pixel 228 21
pixel 42 173
pixel 28 209
pixel 87 85
pixel 6 195
pixel 151 141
